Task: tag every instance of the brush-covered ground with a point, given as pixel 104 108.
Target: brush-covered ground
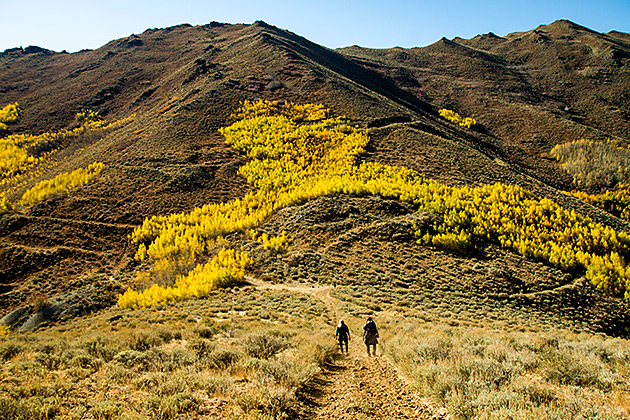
pixel 460 336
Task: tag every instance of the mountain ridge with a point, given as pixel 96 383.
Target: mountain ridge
pixel 467 329
pixel 209 74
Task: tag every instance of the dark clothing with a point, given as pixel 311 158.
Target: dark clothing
pixel 342 332
pixel 370 333
pixel 370 327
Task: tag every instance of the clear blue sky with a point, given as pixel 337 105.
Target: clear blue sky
pixel 73 25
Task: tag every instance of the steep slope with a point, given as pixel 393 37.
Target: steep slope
pixel 482 331
pixel 183 82
pixel 532 90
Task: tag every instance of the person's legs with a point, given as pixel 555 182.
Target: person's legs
pixel 346 341
pixel 368 349
pixel 341 345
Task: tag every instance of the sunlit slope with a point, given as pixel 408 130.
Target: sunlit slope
pixel 298 154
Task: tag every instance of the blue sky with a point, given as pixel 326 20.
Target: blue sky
pixel 73 25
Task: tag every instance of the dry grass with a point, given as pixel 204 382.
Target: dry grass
pixel 211 357
pixel 481 373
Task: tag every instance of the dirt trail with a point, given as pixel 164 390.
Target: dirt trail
pixel 357 386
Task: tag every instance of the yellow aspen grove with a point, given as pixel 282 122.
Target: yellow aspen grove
pixel 454 117
pixel 298 153
pixel 62 183
pixel 9 115
pixel 24 155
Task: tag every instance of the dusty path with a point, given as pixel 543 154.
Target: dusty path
pixel 357 386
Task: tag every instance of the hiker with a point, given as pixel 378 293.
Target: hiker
pixel 370 335
pixel 343 335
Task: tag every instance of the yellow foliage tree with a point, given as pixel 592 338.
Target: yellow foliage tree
pixel 8 115
pixel 298 154
pixel 62 183
pixel 454 117
pixel 227 267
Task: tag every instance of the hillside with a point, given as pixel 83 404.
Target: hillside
pixel 65 260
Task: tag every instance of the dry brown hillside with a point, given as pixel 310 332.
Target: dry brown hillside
pixel 64 261
pixel 528 91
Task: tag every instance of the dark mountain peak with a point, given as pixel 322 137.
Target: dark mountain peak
pixel 489 35
pixel 460 47
pixel 481 41
pixel 620 35
pixel 263 24
pixel 562 28
pixel 31 49
pixel 444 43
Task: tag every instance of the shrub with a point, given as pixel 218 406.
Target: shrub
pixel 48 361
pixel 33 408
pixel 318 353
pixel 106 410
pixel 263 345
pixel 135 359
pixel 8 350
pixel 204 332
pixel 101 347
pixel 171 360
pixel 594 164
pixel 202 348
pixel 173 406
pixel 149 381
pixel 223 358
pixel 265 401
pixel 211 384
pixel 85 361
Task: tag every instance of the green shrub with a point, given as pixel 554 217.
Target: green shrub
pixel 565 368
pixel 272 402
pixel 49 361
pixel 34 408
pixel 173 406
pixel 169 361
pixel 149 381
pixel 204 332
pixel 83 360
pixel 202 348
pixel 135 359
pixel 176 384
pixel 144 341
pixel 211 384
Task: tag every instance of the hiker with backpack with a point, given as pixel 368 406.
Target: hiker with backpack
pixel 370 335
pixel 343 335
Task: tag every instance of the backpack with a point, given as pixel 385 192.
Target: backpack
pixel 370 326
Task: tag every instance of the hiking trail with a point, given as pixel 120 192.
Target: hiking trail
pixel 357 386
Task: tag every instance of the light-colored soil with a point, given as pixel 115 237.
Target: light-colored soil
pixel 357 386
